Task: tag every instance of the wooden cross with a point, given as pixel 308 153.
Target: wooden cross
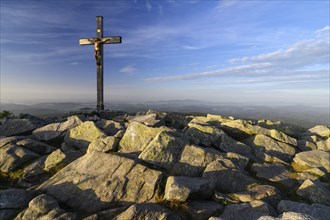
pixel 98 53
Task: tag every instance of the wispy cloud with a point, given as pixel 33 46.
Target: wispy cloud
pixel 129 69
pixel 284 63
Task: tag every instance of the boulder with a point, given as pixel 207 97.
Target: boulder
pixel 81 136
pixel 99 180
pixel 44 207
pixel 239 160
pixel 305 145
pixel 194 160
pixel 289 216
pixel 204 134
pixel 238 128
pixel 265 144
pixel 266 193
pixel 227 177
pixel 275 172
pixel 109 127
pixel 316 211
pixel 14 198
pixel 227 144
pixel 55 161
pixel 137 136
pixel 55 131
pixel 34 173
pixel 203 209
pixel 147 211
pixel 314 191
pixel 107 214
pixel 314 158
pixel 152 120
pixel 320 130
pixel 247 211
pixel 35 146
pixel 164 150
pixel 10 127
pixel 181 188
pixel 104 144
pixel 323 144
pixel 13 157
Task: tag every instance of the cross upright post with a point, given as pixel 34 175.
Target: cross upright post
pixel 98 53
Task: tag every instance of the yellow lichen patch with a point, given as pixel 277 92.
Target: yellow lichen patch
pixel 300 167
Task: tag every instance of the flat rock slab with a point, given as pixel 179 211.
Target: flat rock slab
pixel 321 130
pixel 99 180
pixel 316 211
pixel 313 158
pixel 10 127
pixel 147 211
pixel 180 188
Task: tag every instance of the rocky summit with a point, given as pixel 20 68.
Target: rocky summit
pixel 154 165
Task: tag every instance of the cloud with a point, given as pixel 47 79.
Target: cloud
pixel 148 5
pixel 286 63
pixel 129 69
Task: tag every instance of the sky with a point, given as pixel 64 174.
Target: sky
pixel 238 51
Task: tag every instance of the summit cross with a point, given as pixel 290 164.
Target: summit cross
pixel 98 54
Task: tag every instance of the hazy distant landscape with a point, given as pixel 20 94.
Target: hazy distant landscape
pixel 305 116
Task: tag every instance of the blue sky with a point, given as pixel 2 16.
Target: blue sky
pixel 258 52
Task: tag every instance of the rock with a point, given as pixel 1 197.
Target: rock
pixel 13 157
pixel 137 137
pixel 81 136
pixel 266 193
pixel 320 130
pixel 44 207
pixel 265 144
pixel 107 214
pixel 289 216
pixel 314 158
pixel 313 174
pixel 104 144
pixel 239 160
pixel 181 188
pixel 35 146
pixel 274 172
pixel 305 145
pixel 56 131
pixel 204 134
pixel 34 173
pixel 109 127
pixel 10 140
pixel 203 209
pixel 194 160
pixel 280 136
pixel 323 145
pixel 317 211
pixel 55 161
pixel 15 198
pixel 10 127
pixel 228 144
pixel 147 211
pixel 164 150
pixel 99 180
pixel 238 128
pixel 151 120
pixel 227 177
pixel 314 191
pixel 246 211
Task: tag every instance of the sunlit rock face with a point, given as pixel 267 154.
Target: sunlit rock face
pixel 158 165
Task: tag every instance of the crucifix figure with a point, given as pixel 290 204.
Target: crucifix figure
pixel 98 54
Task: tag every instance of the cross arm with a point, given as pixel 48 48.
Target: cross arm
pixel 105 40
